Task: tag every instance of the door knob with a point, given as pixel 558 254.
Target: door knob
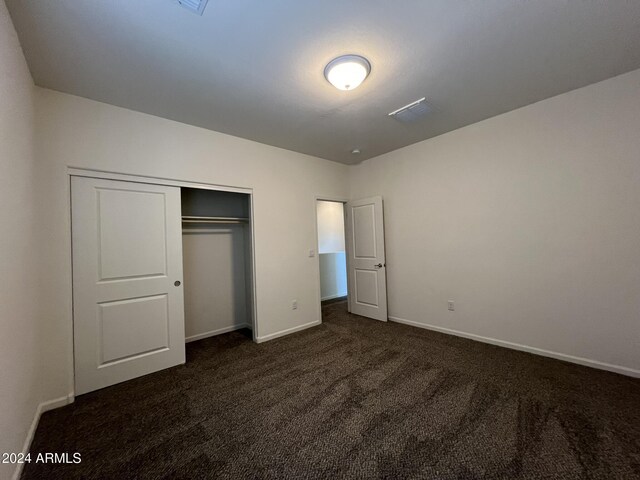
pixel 177 283
pixel 379 265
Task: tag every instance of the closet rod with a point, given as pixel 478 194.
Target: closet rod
pixel 188 219
pixel 208 231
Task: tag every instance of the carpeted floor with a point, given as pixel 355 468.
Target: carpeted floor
pixel 352 398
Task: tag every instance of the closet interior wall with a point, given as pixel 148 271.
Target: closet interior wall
pixel 216 261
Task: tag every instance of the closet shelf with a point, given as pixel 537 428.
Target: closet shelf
pixel 201 220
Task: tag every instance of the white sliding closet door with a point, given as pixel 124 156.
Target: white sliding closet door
pixel 127 272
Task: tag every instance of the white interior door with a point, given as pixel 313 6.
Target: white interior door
pixel 365 258
pixel 127 271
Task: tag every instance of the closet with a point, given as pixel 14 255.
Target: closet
pixel 216 253
pixel 155 264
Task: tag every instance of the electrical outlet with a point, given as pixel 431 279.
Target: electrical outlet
pixel 312 253
pixel 294 305
pixel 450 306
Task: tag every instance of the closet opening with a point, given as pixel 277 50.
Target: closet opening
pixel 332 259
pixel 156 263
pixel 217 263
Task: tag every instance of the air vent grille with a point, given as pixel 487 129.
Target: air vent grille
pixel 195 6
pixel 413 112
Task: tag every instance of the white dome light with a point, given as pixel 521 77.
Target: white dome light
pixel 347 72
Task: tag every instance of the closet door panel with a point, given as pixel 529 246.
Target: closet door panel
pixel 141 229
pixel 129 327
pixel 127 262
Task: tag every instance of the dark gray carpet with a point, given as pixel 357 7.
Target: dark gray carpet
pixel 353 398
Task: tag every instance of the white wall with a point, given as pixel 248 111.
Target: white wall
pixel 20 315
pixel 529 221
pixel 215 293
pixel 330 226
pixel 82 133
pixel 333 275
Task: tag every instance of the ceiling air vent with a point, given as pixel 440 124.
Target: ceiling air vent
pixel 413 112
pixel 195 6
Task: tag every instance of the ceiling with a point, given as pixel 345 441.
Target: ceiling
pixel 254 68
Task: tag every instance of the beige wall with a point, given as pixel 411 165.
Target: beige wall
pixel 529 221
pixel 20 242
pixel 82 133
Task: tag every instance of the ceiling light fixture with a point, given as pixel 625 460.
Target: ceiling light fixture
pixel 347 72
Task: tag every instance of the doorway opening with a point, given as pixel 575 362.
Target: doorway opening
pixel 352 264
pixel 332 256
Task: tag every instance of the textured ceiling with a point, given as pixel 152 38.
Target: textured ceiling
pixel 254 68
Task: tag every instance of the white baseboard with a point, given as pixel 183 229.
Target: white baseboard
pixel 331 297
pixel 525 348
pixel 282 333
pixel 40 409
pixel 212 333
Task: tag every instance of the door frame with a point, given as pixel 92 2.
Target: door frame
pixel 343 201
pixel 107 175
